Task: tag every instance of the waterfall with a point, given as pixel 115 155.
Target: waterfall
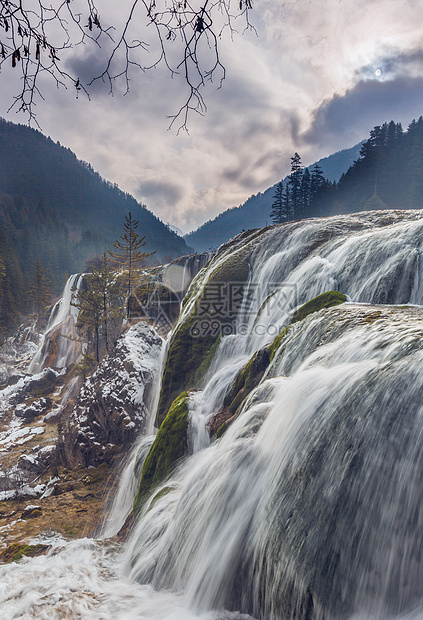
pixel 233 487
pixel 312 499
pixel 132 466
pixel 59 346
pixel 309 506
pixel 372 257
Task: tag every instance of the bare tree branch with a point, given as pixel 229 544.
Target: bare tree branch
pixel 34 35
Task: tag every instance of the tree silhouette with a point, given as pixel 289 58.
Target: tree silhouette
pixel 39 294
pixel 294 183
pixel 128 256
pixel 277 213
pixel 34 39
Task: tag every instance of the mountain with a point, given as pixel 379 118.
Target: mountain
pixel 255 212
pixel 56 212
pixel 45 173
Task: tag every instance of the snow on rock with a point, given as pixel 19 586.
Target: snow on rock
pixel 113 404
pixel 35 409
pixel 42 383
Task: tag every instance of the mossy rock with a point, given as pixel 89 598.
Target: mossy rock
pixel 325 300
pixel 251 374
pixel 246 380
pixel 16 551
pixel 164 491
pixel 32 514
pixel 193 345
pixel 169 446
pixel 187 361
pixel 224 427
pixel 272 348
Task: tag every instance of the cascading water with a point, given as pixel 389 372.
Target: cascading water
pixel 309 507
pixel 370 257
pixel 132 467
pixel 61 330
pixel 310 504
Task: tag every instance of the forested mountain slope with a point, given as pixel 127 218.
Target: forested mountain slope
pixel 44 173
pixel 255 212
pixel 55 210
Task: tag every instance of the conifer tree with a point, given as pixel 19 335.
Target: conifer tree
pixel 277 213
pixel 97 303
pixel 305 192
pixel 39 291
pixel 294 182
pixel 286 203
pixel 128 256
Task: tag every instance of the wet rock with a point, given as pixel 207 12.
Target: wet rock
pixel 17 551
pixel 113 404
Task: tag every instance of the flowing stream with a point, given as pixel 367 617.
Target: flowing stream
pixel 310 505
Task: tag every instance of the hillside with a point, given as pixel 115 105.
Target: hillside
pixel 255 212
pixel 43 172
pixel 57 212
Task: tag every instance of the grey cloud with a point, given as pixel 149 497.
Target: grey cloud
pixel 394 66
pixel 168 193
pixel 90 63
pixel 345 118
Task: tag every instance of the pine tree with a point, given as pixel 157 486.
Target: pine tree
pixel 286 203
pixel 39 295
pixel 305 192
pixel 88 299
pixel 104 280
pixel 97 303
pixel 294 182
pixel 277 213
pixel 128 256
pixel 317 180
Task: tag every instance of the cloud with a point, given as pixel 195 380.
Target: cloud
pixel 349 117
pixel 306 83
pixel 160 191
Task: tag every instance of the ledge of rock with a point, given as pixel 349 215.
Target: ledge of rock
pixel 113 404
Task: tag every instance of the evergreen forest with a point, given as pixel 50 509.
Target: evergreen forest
pixel 57 214
pixel 388 174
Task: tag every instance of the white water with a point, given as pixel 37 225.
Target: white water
pixel 131 468
pixel 295 263
pixel 128 488
pixel 62 325
pixel 311 501
pixel 83 580
pixel 276 500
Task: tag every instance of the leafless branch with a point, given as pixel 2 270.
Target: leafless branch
pixel 33 39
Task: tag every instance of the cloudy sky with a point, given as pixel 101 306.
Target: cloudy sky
pixel 315 77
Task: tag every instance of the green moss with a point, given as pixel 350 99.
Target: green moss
pixel 187 361
pixel 272 348
pixel 170 445
pixel 246 380
pixel 16 551
pixel 194 342
pixel 223 428
pixel 325 300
